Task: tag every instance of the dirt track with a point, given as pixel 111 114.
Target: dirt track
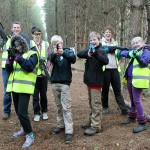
pixel 114 135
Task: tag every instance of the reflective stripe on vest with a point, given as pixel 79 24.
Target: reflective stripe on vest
pixel 21 81
pixel 5 53
pixel 140 76
pixel 43 53
pixel 113 44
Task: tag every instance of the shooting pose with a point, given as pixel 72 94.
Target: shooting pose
pixel 23 65
pixel 93 78
pixel 111 73
pixel 61 78
pixel 137 78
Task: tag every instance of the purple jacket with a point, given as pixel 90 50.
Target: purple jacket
pixel 143 60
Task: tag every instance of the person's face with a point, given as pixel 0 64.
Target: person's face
pixel 16 29
pixel 37 36
pixel 137 44
pixel 18 48
pixel 95 41
pixel 108 35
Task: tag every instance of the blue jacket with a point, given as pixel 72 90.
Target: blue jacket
pixel 143 60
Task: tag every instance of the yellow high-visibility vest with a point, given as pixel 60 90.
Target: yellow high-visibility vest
pixel 140 76
pixel 43 53
pixel 5 53
pixel 21 81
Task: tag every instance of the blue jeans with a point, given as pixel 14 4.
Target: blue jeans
pixel 7 96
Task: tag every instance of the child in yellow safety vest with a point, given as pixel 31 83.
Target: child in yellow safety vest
pixel 137 79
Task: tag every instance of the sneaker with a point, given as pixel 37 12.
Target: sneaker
pixel 57 130
pixel 140 128
pixel 45 116
pixel 29 141
pixel 68 138
pixel 92 131
pixel 105 111
pixel 19 133
pixel 6 116
pixel 128 121
pixel 37 118
pixel 86 125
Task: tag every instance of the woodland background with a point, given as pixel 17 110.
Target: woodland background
pixel 75 19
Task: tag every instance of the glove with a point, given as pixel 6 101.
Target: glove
pixel 105 48
pixel 16 57
pixel 137 54
pixel 8 62
pixel 131 54
pixel 134 53
pixel 112 49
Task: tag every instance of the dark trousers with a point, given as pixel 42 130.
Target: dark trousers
pixel 111 76
pixel 21 103
pixel 7 95
pixel 40 104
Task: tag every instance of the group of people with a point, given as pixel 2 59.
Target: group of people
pixel 23 76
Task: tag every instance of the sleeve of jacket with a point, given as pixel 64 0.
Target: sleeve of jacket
pixel 28 64
pixel 144 59
pixel 52 57
pixel 125 53
pixel 69 55
pixel 101 56
pixel 83 54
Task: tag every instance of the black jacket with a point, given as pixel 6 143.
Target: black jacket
pixel 61 72
pixel 93 74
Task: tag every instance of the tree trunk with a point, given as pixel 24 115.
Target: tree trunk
pixel 137 7
pixel 148 21
pixel 56 14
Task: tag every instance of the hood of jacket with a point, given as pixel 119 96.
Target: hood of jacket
pixel 22 40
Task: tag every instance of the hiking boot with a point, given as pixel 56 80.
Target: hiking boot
pixel 86 125
pixel 6 116
pixel 92 131
pixel 37 118
pixel 140 128
pixel 19 133
pixel 68 138
pixel 57 130
pixel 128 121
pixel 45 116
pixel 105 111
pixel 29 141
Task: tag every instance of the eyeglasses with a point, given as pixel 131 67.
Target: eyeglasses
pixel 37 34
